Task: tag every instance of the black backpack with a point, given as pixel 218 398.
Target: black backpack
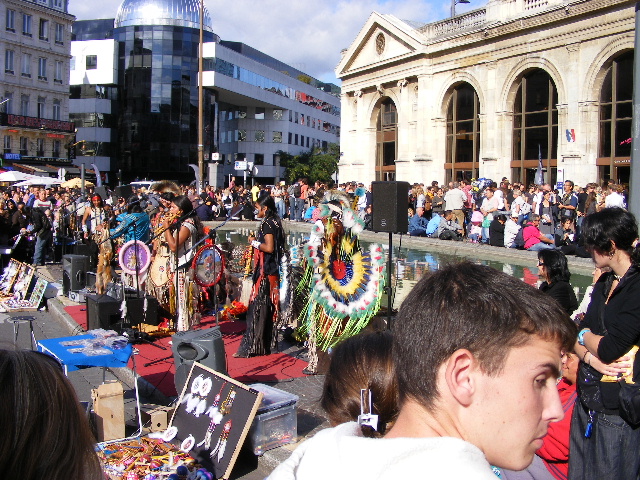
pixel 297 191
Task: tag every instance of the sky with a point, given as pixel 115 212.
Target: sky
pixel 306 34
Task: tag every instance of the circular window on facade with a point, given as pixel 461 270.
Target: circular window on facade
pixel 380 42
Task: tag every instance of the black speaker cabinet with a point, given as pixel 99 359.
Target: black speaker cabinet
pixel 124 191
pixel 390 204
pixel 74 273
pixel 202 346
pixel 84 249
pixel 102 191
pixel 103 311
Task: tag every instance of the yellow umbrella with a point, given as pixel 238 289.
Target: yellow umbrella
pixel 76 183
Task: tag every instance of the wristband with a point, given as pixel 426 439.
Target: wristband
pixel 581 335
pixel 256 244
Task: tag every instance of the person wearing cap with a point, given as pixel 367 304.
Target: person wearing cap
pixel 511 229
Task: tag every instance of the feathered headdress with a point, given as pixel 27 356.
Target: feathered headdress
pixel 163 186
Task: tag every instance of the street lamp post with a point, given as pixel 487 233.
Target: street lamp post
pixel 453 6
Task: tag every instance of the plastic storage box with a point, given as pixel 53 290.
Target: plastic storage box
pixel 276 421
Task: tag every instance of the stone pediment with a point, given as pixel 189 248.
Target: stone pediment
pixel 383 39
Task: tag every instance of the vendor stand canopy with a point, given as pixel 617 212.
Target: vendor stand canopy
pixel 36 180
pixel 76 183
pixel 14 176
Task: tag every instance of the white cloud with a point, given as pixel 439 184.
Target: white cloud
pixel 305 34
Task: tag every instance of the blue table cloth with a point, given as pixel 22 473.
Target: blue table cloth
pixel 75 361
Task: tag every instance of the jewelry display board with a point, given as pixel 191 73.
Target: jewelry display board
pixel 212 419
pixel 9 276
pixel 18 304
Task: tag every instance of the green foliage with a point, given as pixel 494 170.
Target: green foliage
pixel 316 165
pixel 305 79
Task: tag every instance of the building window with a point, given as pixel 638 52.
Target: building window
pixel 241 112
pixel 59 39
pixel 259 136
pixel 57 76
pixel 41 107
pixel 24 105
pixel 7 144
pixel 291 115
pixel 42 68
pixel 8 105
pixel 43 30
pixel 10 20
pixel 259 113
pixel 92 62
pixel 277 114
pixel 616 106
pixel 290 138
pixel 56 110
pixel 58 3
pixel 56 148
pixel 26 24
pixel 24 146
pixel 535 124
pixel 277 137
pixel 40 147
pixel 242 135
pixel 463 133
pixel 258 159
pixel 386 141
pixel 8 61
pixel 26 65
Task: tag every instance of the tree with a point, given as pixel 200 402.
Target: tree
pixel 315 164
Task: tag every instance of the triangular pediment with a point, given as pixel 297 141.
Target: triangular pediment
pixel 382 39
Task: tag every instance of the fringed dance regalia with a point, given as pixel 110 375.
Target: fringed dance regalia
pixel 262 317
pixel 345 280
pixel 187 290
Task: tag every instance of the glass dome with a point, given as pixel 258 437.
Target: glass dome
pixel 179 13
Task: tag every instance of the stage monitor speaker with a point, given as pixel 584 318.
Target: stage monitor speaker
pixel 85 249
pixel 103 311
pixel 202 346
pixel 124 191
pixel 390 204
pixel 74 273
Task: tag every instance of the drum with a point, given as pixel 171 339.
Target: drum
pixel 134 257
pixel 208 265
pixel 160 269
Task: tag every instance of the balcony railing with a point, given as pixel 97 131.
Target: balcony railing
pixel 459 23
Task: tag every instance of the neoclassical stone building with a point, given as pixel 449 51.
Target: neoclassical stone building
pixel 489 92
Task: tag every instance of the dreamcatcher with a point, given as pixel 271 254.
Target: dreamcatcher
pixel 134 259
pixel 345 280
pixel 208 266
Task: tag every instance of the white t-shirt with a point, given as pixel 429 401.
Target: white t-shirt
pixel 341 453
pixel 614 199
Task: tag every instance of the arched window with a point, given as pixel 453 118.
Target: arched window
pixel 386 141
pixel 463 134
pixel 616 105
pixel 535 126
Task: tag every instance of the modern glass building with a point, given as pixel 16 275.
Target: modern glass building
pixel 134 91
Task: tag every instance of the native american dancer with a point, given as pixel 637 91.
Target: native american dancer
pixel 180 239
pixel 262 317
pixel 344 280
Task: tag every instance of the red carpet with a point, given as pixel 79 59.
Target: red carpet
pixel 271 368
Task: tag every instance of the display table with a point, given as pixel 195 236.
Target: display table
pixel 75 361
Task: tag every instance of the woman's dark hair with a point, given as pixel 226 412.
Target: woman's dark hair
pixel 501 217
pixel 555 264
pixel 591 198
pixel 183 203
pixel 45 433
pixel 134 204
pixel 609 225
pixel 362 361
pixel 266 200
pixel 168 196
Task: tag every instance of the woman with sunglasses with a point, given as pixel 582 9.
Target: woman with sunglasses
pixel 554 272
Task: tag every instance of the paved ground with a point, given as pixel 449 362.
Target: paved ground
pixel 54 322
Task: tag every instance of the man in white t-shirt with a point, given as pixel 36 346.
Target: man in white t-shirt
pixel 615 198
pixel 476 384
pixel 454 200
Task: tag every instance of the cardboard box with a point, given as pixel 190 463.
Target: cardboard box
pixel 155 417
pixel 108 404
